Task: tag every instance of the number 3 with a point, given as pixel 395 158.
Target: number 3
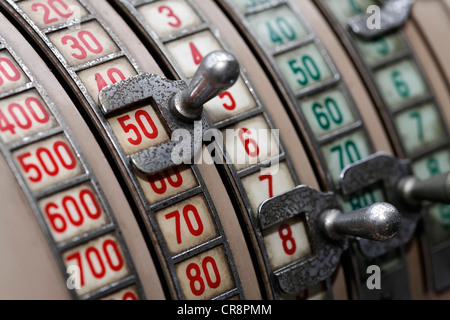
pixel 170 14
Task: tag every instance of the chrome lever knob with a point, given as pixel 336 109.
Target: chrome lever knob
pixel 217 72
pixel 379 221
pixel 436 189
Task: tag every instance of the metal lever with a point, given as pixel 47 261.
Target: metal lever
pixel 218 71
pixel 436 189
pixel 393 14
pixel 328 229
pixel 178 103
pixel 379 221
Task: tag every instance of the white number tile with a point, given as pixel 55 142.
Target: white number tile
pixel 186 224
pixel 250 141
pixel 73 212
pixel 189 51
pixel 138 129
pixel 95 264
pixel 24 115
pixel 266 183
pixel 206 275
pixel 130 293
pixel 11 75
pixel 48 13
pixel 47 162
pixel 234 101
pixel 286 242
pixel 169 17
pixel 96 78
pixel 165 184
pixel 84 44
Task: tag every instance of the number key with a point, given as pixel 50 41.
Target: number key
pixel 47 162
pixel 286 242
pixel 303 67
pixel 277 26
pixel 267 183
pixel 11 75
pixel 95 264
pixel 186 224
pixel 169 17
pixel 206 275
pixel 344 151
pixel 47 13
pixel 327 111
pixel 72 212
pixel 98 77
pixel 400 83
pixel 250 141
pixel 165 184
pixel 138 129
pixel 23 115
pixel 83 44
pixel 419 127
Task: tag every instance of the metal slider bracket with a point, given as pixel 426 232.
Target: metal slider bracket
pixel 390 171
pixel 393 15
pixel 146 88
pixel 326 253
pixel 179 103
pixel 328 231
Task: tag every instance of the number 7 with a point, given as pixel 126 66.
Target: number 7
pixel 77 256
pixel 270 180
pixel 176 215
pixel 418 117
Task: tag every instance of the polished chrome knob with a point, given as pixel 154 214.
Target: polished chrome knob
pixel 217 72
pixel 379 221
pixel 435 189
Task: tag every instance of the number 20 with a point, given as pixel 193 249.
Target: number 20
pixel 53 4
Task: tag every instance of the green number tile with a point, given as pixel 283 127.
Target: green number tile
pixel 303 67
pixel 344 151
pixel 345 9
pixel 243 5
pixel 433 164
pixel 362 199
pixel 375 51
pixel 437 218
pixel 400 83
pixel 327 111
pixel 277 26
pixel 419 127
pixel 437 221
